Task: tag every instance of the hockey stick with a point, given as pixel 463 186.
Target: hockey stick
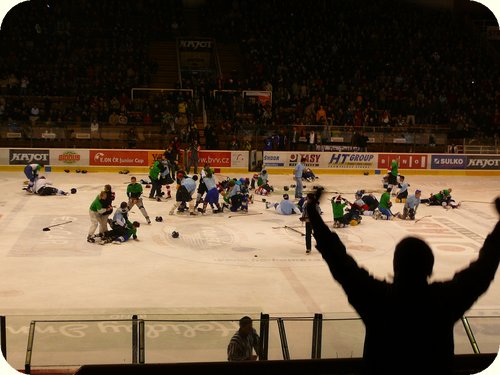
pixel 291 228
pixel 479 202
pixel 423 217
pixel 46 229
pixel 295 230
pixel 242 215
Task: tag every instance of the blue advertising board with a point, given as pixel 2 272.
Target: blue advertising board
pixel 448 161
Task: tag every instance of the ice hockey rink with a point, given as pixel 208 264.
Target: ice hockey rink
pixel 222 266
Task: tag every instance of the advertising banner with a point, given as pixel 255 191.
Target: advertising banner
pixel 312 159
pixel 195 53
pixel 275 159
pixel 405 161
pixel 332 160
pixel 448 161
pixel 22 156
pixel 130 158
pixel 69 157
pixel 215 158
pixel 239 159
pixel 347 160
pixel 486 162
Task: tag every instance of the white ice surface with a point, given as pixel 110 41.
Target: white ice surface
pixel 218 265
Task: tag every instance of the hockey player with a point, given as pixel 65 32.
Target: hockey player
pixel 155 175
pixel 359 203
pixel 402 193
pixel 31 172
pixel 308 175
pixel 202 189
pixel 108 202
pixel 355 210
pixel 43 186
pixel 297 176
pixel 371 201
pixel 260 178
pixel 285 207
pixel 392 178
pixel 235 197
pixel 165 177
pixel 96 210
pixel 384 207
pixel 338 205
pixel 443 198
pixel 118 225
pixel 411 205
pixel 184 193
pixel 246 198
pixel 212 196
pixel 130 233
pixel 263 187
pixel 134 193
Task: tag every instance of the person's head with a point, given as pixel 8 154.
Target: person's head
pixel 195 177
pixel 418 193
pixel 133 180
pixel 124 207
pixel 413 260
pixel 136 224
pixel 107 187
pixel 286 196
pixel 246 325
pixel 103 195
pixel 401 178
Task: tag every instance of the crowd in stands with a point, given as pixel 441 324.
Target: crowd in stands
pixel 379 62
pixel 383 63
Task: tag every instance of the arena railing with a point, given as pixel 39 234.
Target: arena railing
pixel 156 136
pixel 203 339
